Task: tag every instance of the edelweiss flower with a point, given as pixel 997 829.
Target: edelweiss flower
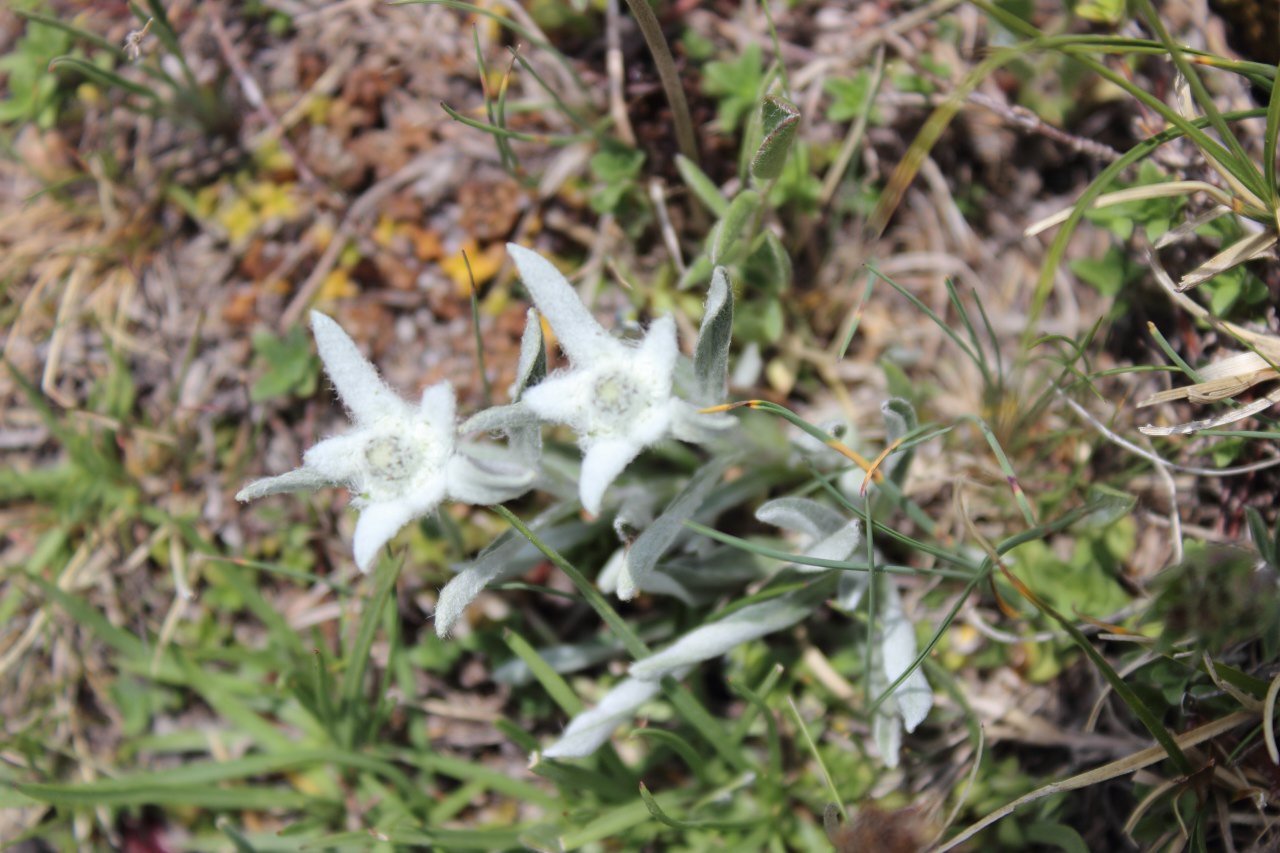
pixel 401 461
pixel 616 396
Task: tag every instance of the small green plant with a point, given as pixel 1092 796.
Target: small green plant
pixel 737 85
pixel 153 89
pixel 286 364
pixel 35 94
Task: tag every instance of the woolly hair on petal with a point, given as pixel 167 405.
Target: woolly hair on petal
pixel 659 348
pixel 485 482
pixel 602 462
pixel 580 336
pixel 339 457
pixel 565 398
pixel 709 641
pixel 362 390
pixel 438 404
pixel 377 525
pixel 299 480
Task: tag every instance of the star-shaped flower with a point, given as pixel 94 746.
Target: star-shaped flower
pixel 401 461
pixel 617 396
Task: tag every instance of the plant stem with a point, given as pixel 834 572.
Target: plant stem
pixel 669 76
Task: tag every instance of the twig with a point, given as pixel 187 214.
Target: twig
pixel 253 94
pixel 1158 460
pixel 613 66
pixel 1114 770
pixel 360 208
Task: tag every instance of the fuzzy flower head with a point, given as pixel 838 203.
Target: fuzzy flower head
pixel 617 396
pixel 400 461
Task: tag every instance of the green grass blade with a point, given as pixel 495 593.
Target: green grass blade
pixel 465 770
pixel 547 139
pixel 72 30
pixel 352 700
pixel 629 638
pixel 684 702
pixel 702 187
pixel 552 682
pixel 569 112
pixel 1148 717
pixel 238 841
pixel 790 557
pixel 506 22
pixel 108 78
pixel 1172 354
pixel 660 815
pixel 772 741
pixel 678 745
pixel 1269 140
pixel 1239 162
pixel 817 758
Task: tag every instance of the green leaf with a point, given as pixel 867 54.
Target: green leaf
pixel 108 78
pixel 1057 834
pixel 288 365
pixel 728 232
pixel 702 187
pixel 736 84
pixel 779 120
pixel 849 97
pixel 1106 505
pixel 557 688
pixel 711 353
pixel 357 660
pixel 656 810
pixel 768 268
pixel 1105 274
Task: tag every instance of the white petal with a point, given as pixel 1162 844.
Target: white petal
pixel 580 336
pixel 380 522
pixel 340 457
pixel 741 626
pixel 653 424
pixel 802 515
pixel 377 525
pixel 587 731
pixel 658 350
pixel 484 483
pixel 601 464
pixel 437 406
pixel 362 391
pixel 563 398
pixel 838 546
pixel 898 646
pixel 299 479
pixel 531 367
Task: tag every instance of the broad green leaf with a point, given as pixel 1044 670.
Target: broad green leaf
pixel 711 354
pixel 779 119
